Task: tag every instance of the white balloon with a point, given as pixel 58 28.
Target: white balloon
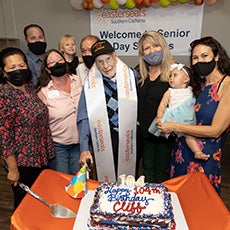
pixel 97 4
pixel 76 4
pixel 121 2
pixel 106 6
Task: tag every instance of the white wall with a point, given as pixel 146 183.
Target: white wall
pixel 57 17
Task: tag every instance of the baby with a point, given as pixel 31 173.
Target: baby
pixel 177 105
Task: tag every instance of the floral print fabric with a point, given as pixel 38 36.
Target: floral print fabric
pixel 24 127
pixel 183 160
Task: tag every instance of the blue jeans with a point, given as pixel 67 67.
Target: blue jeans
pixel 67 158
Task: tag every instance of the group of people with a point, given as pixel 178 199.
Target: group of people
pixel 39 98
pixel 58 109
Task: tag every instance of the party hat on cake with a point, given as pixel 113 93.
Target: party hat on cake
pixel 77 186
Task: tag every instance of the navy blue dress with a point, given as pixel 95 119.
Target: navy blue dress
pixel 183 161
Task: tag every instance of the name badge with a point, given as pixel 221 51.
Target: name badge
pixel 53 93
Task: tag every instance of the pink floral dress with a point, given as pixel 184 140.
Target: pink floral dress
pixel 183 161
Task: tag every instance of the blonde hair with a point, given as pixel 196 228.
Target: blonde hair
pixel 154 37
pixel 63 40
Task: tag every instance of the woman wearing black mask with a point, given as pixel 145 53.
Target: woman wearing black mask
pixel 154 66
pixel 212 65
pixel 25 137
pixel 60 92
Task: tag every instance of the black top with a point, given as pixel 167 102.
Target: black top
pixel 149 98
pixel 73 65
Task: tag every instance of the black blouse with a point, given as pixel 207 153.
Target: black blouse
pixel 73 65
pixel 149 98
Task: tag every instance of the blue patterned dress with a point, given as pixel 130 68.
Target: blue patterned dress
pixel 183 161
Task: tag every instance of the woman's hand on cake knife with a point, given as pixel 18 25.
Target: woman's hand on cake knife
pixel 85 157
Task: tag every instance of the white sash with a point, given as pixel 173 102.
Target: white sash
pixel 99 124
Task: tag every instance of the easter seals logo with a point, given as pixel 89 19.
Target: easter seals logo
pixel 120 16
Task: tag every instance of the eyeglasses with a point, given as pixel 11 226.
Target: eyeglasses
pixel 52 63
pixel 204 40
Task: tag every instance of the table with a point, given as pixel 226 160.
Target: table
pixel 202 207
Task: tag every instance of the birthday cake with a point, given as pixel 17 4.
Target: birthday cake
pixel 131 207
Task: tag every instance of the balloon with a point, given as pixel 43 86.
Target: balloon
pixel 210 2
pixel 138 2
pixel 76 4
pixel 182 1
pixel 113 4
pixel 85 5
pixel 164 3
pixel 139 6
pixel 105 1
pixel 147 3
pixel 198 2
pixel 97 4
pixel 130 4
pixel 90 6
pixel 106 6
pixel 121 2
pixel 174 3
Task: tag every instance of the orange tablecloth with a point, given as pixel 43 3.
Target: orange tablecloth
pixel 202 207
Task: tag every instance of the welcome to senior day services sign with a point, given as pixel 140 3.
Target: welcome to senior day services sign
pixel 180 25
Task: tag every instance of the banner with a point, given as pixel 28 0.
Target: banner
pixel 180 25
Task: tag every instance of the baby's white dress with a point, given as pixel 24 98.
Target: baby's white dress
pixel 180 110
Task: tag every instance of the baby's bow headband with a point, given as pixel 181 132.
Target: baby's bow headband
pixel 179 67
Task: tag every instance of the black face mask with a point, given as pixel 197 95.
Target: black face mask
pixel 204 68
pixel 58 70
pixel 88 60
pixel 37 48
pixel 18 77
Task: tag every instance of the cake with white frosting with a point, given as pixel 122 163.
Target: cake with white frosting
pixel 131 207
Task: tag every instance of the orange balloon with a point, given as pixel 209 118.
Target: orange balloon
pixel 138 2
pixel 85 5
pixel 88 1
pixel 147 3
pixel 199 2
pixel 90 6
pixel 105 1
pixel 139 5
